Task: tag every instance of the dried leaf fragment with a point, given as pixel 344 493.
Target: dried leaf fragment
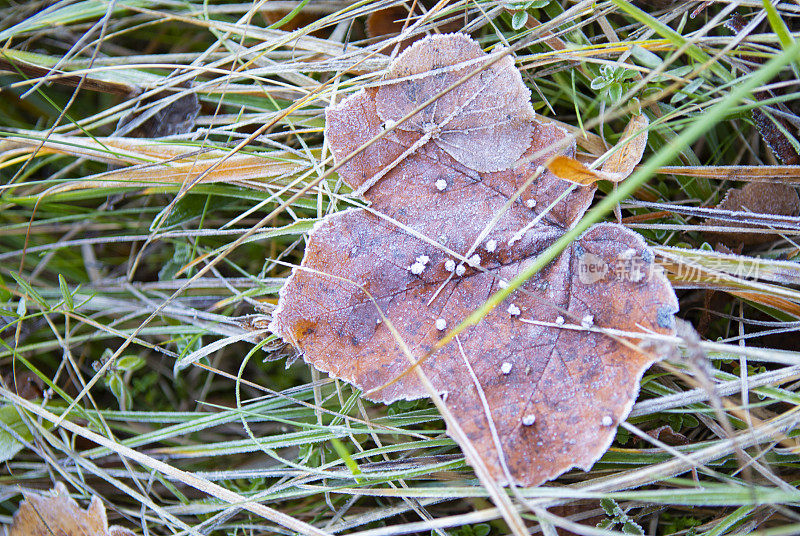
pixel 168 118
pixel 59 515
pixel 618 167
pixel 755 198
pixel 440 237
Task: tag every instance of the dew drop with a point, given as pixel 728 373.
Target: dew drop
pixel 441 185
pixel 503 283
pixel 474 261
pixel 441 324
pixel 560 320
pixel 424 259
pixel 607 421
pixel 460 269
pixel 587 321
pixel 530 203
pixel 505 368
pixel 513 310
pixel 449 265
pixel 529 419
pixel 491 245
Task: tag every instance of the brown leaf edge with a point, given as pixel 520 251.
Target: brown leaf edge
pixel 59 514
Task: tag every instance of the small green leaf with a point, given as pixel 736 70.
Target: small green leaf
pixel 182 256
pixel 605 524
pixel 645 57
pixel 129 363
pixel 608 506
pixel 9 446
pixel 615 92
pixel 598 83
pixel 30 291
pixel 631 527
pixel 519 19
pixel 5 293
pixel 65 293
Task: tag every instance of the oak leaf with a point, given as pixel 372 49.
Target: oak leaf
pixel 537 386
pixel 59 515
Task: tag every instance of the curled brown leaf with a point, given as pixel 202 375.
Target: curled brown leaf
pixel 618 167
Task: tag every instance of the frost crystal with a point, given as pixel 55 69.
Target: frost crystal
pixel 417 268
pixel 528 420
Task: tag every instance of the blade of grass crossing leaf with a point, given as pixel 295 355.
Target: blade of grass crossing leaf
pixel 714 114
pixel 62 284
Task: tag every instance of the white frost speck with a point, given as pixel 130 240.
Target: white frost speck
pixel 441 323
pixel 417 268
pixel 513 310
pixel 503 283
pixel 505 368
pixel 441 185
pixel 587 321
pixel 530 203
pixel 560 320
pixel 491 245
pixel 449 265
pixel 424 259
pixel 378 321
pixel 474 261
pixel 460 269
pixel 528 420
pixel 607 421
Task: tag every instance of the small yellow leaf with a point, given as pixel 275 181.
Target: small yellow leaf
pixel 619 166
pixel 629 150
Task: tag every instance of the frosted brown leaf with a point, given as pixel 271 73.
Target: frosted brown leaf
pixel 441 235
pixel 57 514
